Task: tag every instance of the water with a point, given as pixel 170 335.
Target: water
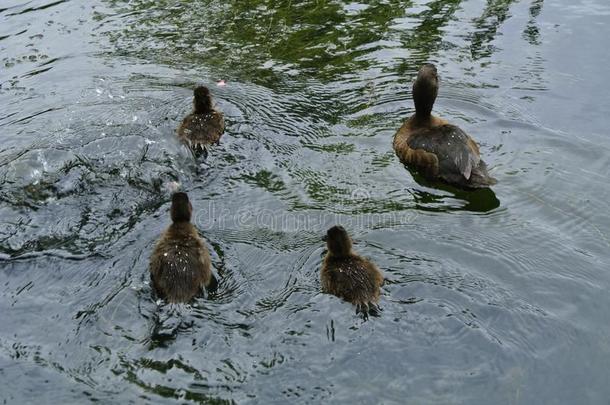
pixel 491 297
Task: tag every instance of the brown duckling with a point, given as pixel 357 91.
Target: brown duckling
pixel 204 126
pixel 348 275
pixel 435 148
pixel 180 264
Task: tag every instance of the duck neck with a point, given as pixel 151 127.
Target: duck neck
pixel 202 106
pixel 181 224
pixel 201 111
pixel 340 254
pixel 424 96
pixel 422 117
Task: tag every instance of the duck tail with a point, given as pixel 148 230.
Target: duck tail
pixel 480 178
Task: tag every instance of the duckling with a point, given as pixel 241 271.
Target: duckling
pixel 435 148
pixel 204 126
pixel 348 275
pixel 180 264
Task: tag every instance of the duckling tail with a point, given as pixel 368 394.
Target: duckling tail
pixel 368 308
pixel 213 285
pixel 201 150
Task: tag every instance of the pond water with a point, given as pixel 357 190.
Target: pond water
pixel 491 297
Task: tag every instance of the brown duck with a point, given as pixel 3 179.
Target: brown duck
pixel 180 265
pixel 348 275
pixel 204 126
pixel 435 148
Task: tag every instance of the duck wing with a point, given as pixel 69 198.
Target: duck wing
pixel 457 153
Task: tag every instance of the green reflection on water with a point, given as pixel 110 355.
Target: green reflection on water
pixel 258 39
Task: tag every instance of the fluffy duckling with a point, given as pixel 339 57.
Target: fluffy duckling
pixel 348 275
pixel 204 125
pixel 180 265
pixel 435 148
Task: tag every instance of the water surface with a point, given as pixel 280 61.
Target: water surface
pixel 491 297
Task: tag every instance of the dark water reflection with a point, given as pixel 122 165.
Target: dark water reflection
pixel 491 296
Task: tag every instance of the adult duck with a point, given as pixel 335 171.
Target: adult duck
pixel 435 148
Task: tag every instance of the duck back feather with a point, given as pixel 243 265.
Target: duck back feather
pixel 458 156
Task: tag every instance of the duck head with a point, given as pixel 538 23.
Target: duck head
pixel 181 209
pixel 425 90
pixel 202 100
pixel 338 241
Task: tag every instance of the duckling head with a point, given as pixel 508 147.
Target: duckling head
pixel 181 209
pixel 425 90
pixel 202 100
pixel 338 241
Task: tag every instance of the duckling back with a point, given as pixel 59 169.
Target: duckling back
pixel 180 264
pixel 200 130
pixel 353 279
